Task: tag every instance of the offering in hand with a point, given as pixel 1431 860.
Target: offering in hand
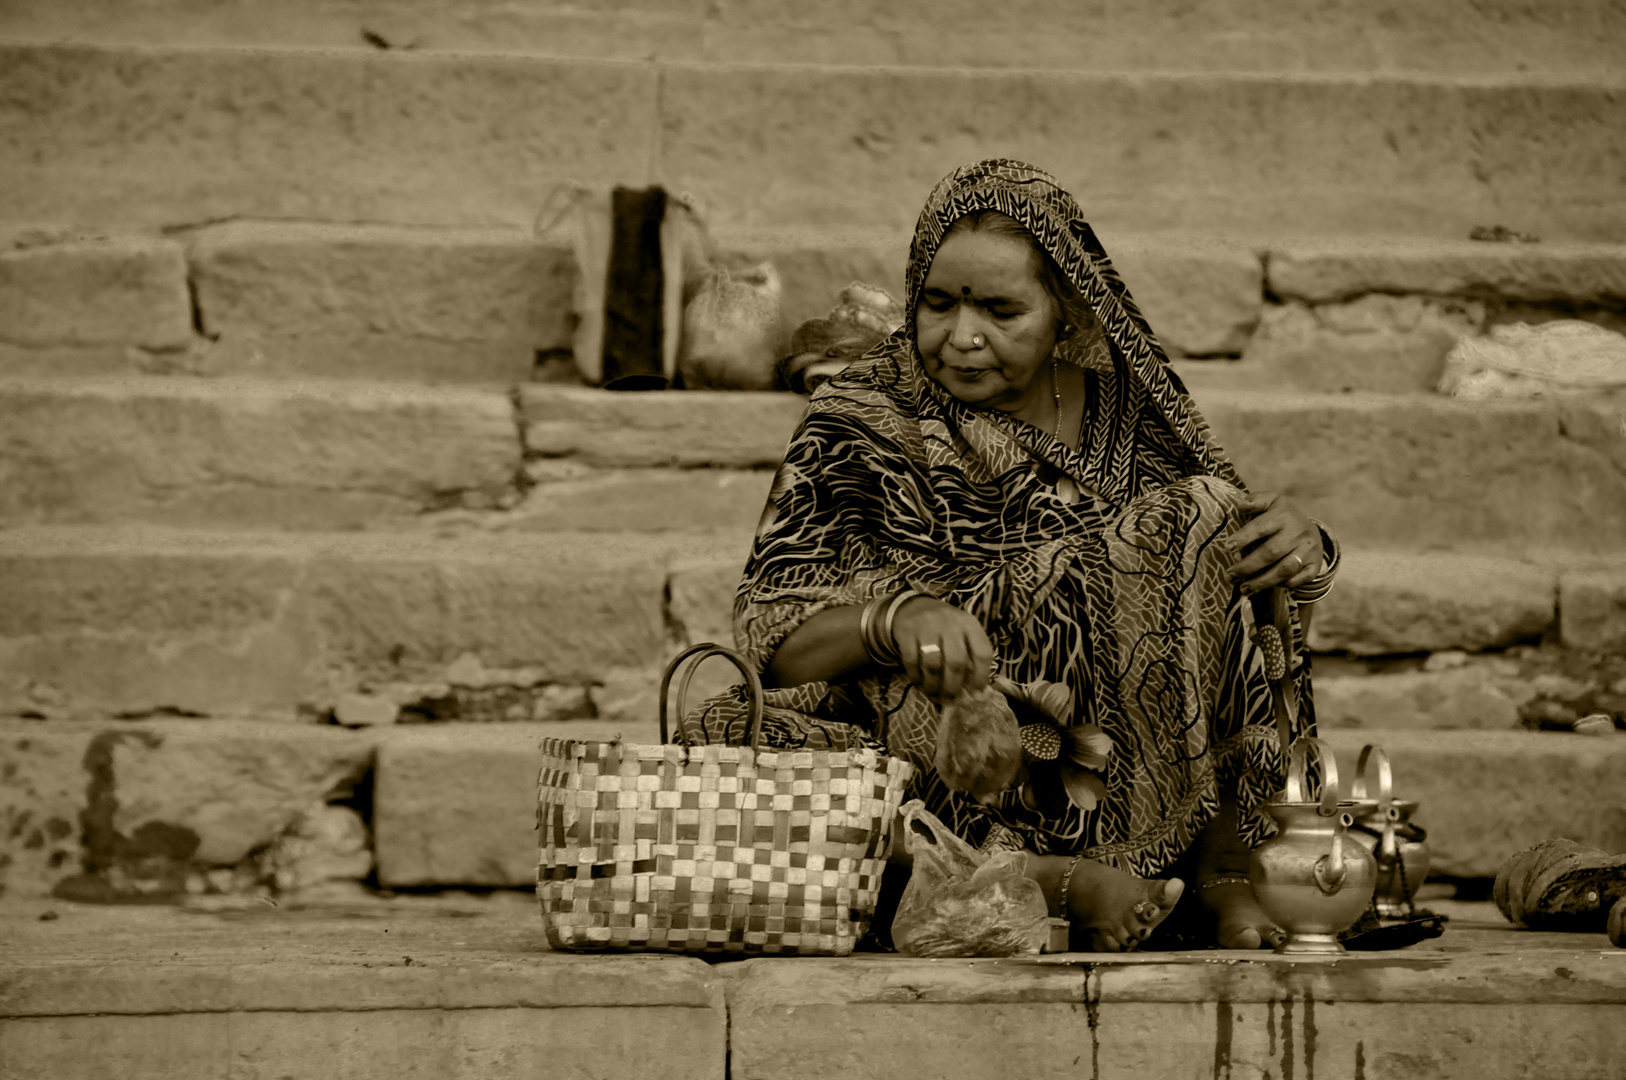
pixel 979 749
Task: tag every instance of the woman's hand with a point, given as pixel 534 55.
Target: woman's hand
pixel 943 648
pixel 1278 546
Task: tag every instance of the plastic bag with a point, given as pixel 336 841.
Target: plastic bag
pixel 731 331
pixel 961 903
pixel 1566 356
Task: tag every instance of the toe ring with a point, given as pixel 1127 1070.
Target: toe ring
pixel 1144 908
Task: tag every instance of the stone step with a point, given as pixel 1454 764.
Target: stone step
pixel 383 136
pixel 454 804
pixel 1237 35
pixel 1483 794
pixel 452 992
pixel 383 303
pixel 463 988
pixel 139 621
pixel 1410 472
pixel 276 454
pixel 391 303
pixel 573 593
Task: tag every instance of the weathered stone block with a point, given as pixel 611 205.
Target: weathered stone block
pixel 1409 471
pixel 286 455
pixel 213 791
pixel 456 804
pixel 1486 794
pixel 700 598
pixel 506 1042
pixel 729 501
pixel 324 844
pixel 381 302
pixel 697 427
pixel 1379 343
pixel 1322 271
pixel 1201 296
pixel 1410 700
pixel 135 135
pixel 1167 1016
pixel 228 624
pixel 43 784
pixel 860 148
pixel 1507 37
pixel 1389 602
pixel 1592 609
pixel 128 291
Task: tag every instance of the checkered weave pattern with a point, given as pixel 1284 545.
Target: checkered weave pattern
pixel 712 849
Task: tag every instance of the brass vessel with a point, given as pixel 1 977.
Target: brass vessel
pixel 1383 826
pixel 1312 878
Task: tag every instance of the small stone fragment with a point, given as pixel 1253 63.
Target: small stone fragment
pixel 564 702
pixel 1596 724
pixel 327 843
pixel 1446 660
pixel 466 670
pixel 365 710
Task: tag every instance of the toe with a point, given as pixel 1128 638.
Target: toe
pixel 1247 937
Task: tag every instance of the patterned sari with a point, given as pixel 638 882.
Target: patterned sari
pixel 1120 593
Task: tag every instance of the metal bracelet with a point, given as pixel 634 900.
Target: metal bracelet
pixel 888 641
pixel 868 624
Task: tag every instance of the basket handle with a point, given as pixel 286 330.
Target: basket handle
pixel 701 653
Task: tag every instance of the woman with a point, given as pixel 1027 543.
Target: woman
pixel 1015 488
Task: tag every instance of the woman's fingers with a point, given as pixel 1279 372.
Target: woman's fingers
pixel 943 649
pixel 979 657
pixel 1256 507
pixel 954 668
pixel 1291 569
pixel 1265 556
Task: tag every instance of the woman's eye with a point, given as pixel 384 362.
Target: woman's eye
pixel 940 306
pixel 1004 316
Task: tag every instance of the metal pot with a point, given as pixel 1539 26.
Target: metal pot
pixel 1383 825
pixel 1312 878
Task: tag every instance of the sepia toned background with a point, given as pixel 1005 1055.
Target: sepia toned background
pixel 309 531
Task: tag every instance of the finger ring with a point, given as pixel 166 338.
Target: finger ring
pixel 1298 559
pixel 930 650
pixel 978 341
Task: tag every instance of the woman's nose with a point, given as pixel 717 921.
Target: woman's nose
pixel 966 335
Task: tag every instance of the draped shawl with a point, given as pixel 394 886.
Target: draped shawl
pixel 1122 594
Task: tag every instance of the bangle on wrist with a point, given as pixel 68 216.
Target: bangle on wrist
pixel 1319 586
pixel 888 641
pixel 866 625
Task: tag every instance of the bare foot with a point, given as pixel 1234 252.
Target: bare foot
pixel 1238 922
pixel 1113 911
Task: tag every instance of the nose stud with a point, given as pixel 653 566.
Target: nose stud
pixel 978 341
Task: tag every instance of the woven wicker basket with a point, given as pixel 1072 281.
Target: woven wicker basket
pixel 712 849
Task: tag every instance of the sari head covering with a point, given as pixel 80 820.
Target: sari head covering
pixel 1112 586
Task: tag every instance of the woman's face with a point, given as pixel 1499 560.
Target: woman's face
pixel 984 286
